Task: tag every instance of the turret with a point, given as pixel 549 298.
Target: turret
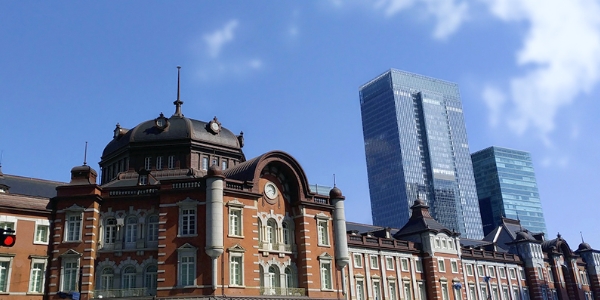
pixel 214 217
pixel 339 220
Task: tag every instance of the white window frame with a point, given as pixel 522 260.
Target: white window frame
pixel 171 162
pixel 236 221
pixel 152 231
pixel 444 290
pixel 70 220
pixel 41 275
pixel 389 263
pixel 131 231
pixel 374 261
pixel 39 237
pixel 480 271
pixel 502 271
pixel 469 268
pixel 151 278
pixel 188 219
pixel 377 295
pixel 491 271
pixel 107 280
pixel 325 271
pixel 323 230
pixel 404 264
pixel 7 270
pixel 148 163
pixel 407 288
pixel 393 293
pixel 110 232
pixel 64 285
pixel 129 280
pixel 512 273
pixel 454 266
pixel 159 162
pixel 186 251
pixel 441 265
pixel 236 259
pixel 357 257
pixel 360 289
pixel 418 265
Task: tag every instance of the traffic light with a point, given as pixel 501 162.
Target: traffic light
pixel 7 237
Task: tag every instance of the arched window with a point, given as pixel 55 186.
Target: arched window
pixel 152 235
pixel 271 229
pixel 106 278
pixel 290 282
pixel 274 277
pixel 287 237
pixel 261 275
pixel 128 278
pixel 131 230
pixel 110 231
pixel 150 278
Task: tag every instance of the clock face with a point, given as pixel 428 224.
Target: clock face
pixel 270 190
pixel 214 126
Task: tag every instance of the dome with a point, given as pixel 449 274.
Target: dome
pixel 335 193
pixel 174 128
pixel 584 246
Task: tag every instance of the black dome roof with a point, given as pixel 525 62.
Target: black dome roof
pixel 178 128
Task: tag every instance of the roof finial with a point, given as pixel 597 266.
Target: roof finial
pixel 85 155
pixel 1 155
pixel 334 180
pixel 178 102
pixel 581 233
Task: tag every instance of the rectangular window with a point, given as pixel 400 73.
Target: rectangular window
pixel 441 265
pixel 473 292
pixel 4 274
pixel 522 273
pixel 143 179
pixel 148 163
pixel 480 272
pixel 326 283
pixel 418 265
pixel 187 221
pixel 70 274
pixel 159 162
pixel 235 222
pixel 491 272
pixel 540 274
pixel 422 290
pixel 357 260
pixel 444 244
pixel 392 290
pixel 407 291
pixel 36 279
pixel 376 290
pixel 495 294
pixel 41 233
pixel 73 228
pixel 437 243
pixel 512 273
pixel 404 264
pixel 360 290
pixel 374 262
pixel 505 293
pixel 224 164
pixel 469 269
pixel 323 232
pixel 454 266
pixel 204 163
pixel 7 225
pixel 187 269
pixel 389 263
pixel 236 270
pixel 171 162
pixel 445 294
pixel 502 272
pixel 484 293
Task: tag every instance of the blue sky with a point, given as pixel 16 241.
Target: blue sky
pixel 287 73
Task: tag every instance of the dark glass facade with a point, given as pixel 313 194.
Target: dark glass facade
pixel 506 186
pixel 416 144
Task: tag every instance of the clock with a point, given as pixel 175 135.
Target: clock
pixel 214 127
pixel 270 190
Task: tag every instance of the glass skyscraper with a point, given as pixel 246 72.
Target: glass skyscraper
pixel 416 145
pixel 506 187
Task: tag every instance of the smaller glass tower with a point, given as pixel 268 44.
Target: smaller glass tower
pixel 506 187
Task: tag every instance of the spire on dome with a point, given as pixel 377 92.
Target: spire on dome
pixel 178 102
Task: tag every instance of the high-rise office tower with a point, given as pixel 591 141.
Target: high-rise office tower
pixel 416 145
pixel 506 187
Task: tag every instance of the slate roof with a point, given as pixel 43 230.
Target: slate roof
pixel 30 186
pixel 421 221
pixel 24 202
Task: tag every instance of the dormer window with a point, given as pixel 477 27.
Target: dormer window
pixel 143 179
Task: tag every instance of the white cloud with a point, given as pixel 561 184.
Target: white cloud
pixel 560 57
pixel 216 40
pixel 449 14
pixel 495 100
